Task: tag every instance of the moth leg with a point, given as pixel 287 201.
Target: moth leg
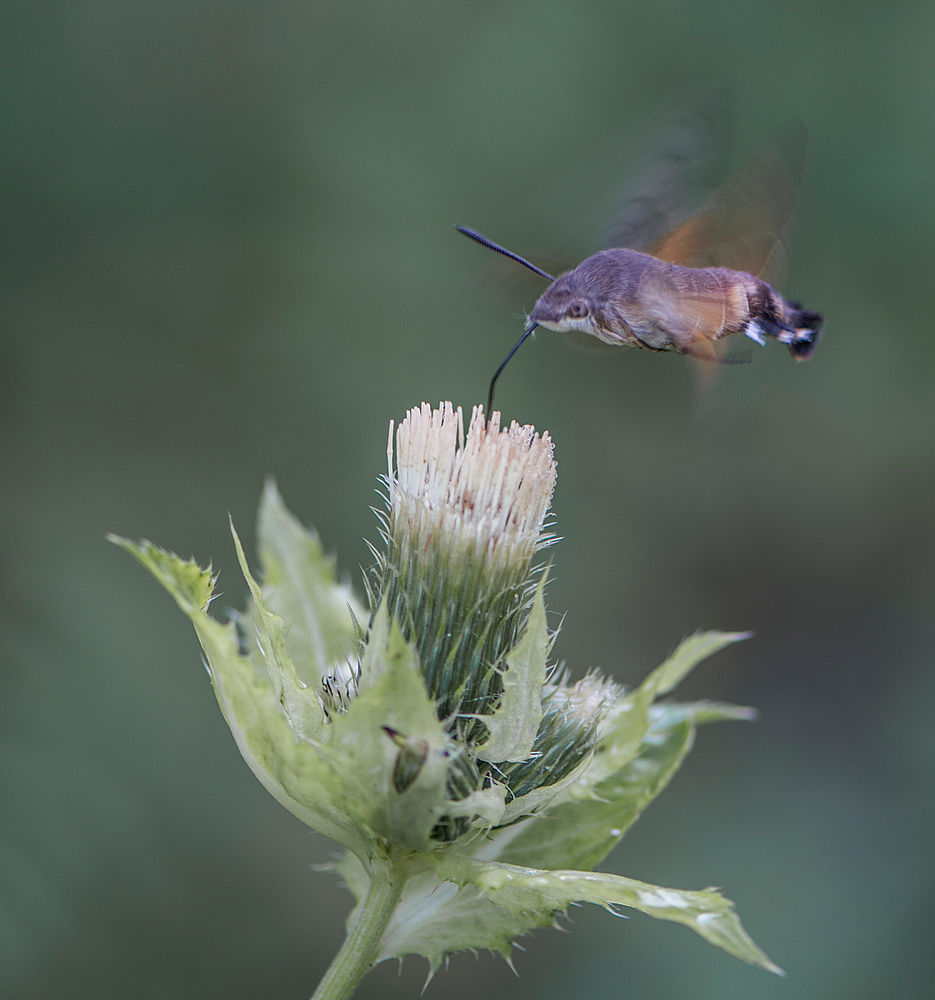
pixel 704 351
pixel 701 350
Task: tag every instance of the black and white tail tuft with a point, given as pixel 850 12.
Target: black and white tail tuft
pixel 798 328
pixel 805 329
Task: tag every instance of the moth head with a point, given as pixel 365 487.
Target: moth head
pixel 565 307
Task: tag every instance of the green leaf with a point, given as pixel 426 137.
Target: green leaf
pixel 373 659
pixel 515 722
pixel 190 585
pixel 628 721
pixel 394 708
pixel 292 771
pixel 532 893
pixel 299 701
pixel 300 585
pixel 670 713
pixel 688 654
pixel 581 834
pixel 435 919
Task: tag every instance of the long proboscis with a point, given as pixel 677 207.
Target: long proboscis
pixel 484 242
pixel 479 238
pixel 493 381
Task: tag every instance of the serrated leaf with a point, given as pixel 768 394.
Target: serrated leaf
pixel 300 585
pixel 581 834
pixel 293 772
pixel 435 919
pixel 533 892
pixel 299 701
pixel 515 722
pixel 190 585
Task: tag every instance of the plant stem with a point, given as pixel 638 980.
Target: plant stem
pixel 357 954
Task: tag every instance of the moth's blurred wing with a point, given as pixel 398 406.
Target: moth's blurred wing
pixel 684 160
pixel 762 254
pixel 691 312
pixel 746 218
pixel 620 189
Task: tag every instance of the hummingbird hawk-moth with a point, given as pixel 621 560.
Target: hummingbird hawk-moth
pixel 703 280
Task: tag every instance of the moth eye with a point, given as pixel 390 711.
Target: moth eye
pixel 578 310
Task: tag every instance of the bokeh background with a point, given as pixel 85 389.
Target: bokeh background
pixel 227 253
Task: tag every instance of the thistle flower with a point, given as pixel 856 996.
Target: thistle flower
pixel 473 786
pixel 464 523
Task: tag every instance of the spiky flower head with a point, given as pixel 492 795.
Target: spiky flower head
pixel 432 737
pixel 463 525
pixel 465 519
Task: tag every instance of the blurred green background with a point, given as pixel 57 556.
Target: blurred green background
pixel 227 253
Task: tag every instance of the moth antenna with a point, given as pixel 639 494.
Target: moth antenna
pixel 493 381
pixel 474 235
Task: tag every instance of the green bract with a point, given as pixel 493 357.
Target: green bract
pixel 473 786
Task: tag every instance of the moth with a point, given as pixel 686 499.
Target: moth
pixel 701 280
